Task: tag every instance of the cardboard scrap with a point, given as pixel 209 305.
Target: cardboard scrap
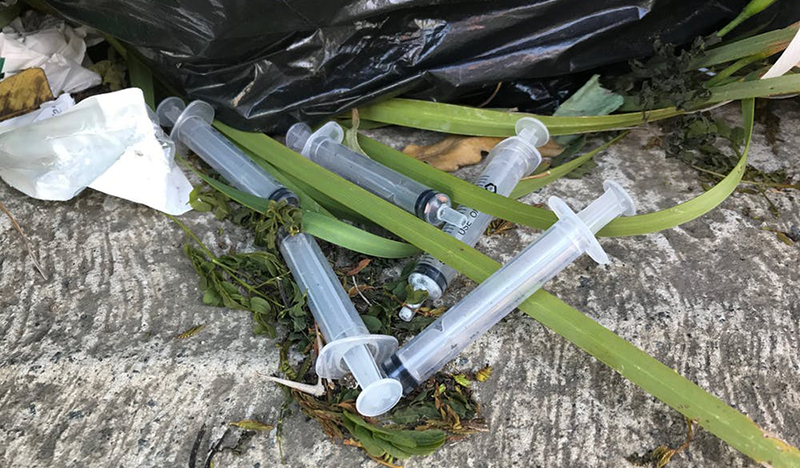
pixel 23 93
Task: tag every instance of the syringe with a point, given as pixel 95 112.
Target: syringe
pixel 507 163
pixel 324 148
pixel 509 286
pixel 350 347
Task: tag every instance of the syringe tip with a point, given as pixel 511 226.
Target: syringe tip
pixel 451 216
pixel 406 314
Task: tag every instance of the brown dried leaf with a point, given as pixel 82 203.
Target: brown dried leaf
pixel 360 288
pixel 453 152
pixel 551 149
pixel 499 226
pixel 357 269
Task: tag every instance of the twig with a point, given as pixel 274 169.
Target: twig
pixel 316 390
pixel 25 241
pixel 494 93
pixel 358 290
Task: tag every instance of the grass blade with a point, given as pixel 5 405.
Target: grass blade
pixel 767 43
pixel 641 369
pixel 461 120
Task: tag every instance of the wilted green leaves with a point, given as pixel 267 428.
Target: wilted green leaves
pixel 205 200
pixel 254 281
pixel 667 78
pixel 381 442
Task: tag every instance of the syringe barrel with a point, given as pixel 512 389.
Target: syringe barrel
pixel 508 287
pixel 357 168
pixel 191 127
pixel 332 309
pixel 486 305
pixel 231 163
pixel 325 149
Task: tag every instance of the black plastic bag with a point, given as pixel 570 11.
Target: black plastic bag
pixel 265 64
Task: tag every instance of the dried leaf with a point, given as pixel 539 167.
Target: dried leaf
pixel 360 288
pixel 499 226
pixel 190 332
pixel 784 238
pixel 483 374
pixel 453 152
pixel 357 269
pixel 252 425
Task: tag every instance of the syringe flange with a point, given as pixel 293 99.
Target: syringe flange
pixel 331 364
pixel 588 240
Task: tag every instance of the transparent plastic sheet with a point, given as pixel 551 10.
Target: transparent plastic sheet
pixel 266 64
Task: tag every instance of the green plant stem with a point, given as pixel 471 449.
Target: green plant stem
pixel 733 68
pixel 462 120
pixel 748 182
pixel 751 9
pixel 231 272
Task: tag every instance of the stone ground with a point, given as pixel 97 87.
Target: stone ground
pixel 91 375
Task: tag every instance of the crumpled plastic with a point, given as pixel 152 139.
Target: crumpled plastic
pixel 109 142
pixel 36 41
pixel 265 64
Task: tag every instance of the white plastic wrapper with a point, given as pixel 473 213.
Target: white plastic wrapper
pixel 49 44
pixel 108 142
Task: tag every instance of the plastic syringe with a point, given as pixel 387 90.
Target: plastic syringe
pixel 507 163
pixel 350 347
pixel 324 147
pixel 502 292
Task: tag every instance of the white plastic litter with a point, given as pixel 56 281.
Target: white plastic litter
pixel 788 60
pixel 52 45
pixel 108 142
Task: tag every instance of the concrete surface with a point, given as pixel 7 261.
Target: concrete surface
pixel 91 375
